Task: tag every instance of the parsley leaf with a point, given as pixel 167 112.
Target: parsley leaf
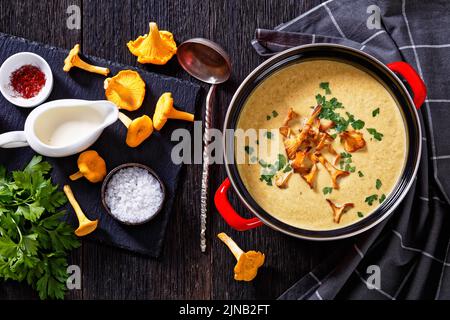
pixel 325 86
pixel 282 161
pixel 360 214
pixel 267 178
pixel 274 113
pixel 371 199
pixel 378 184
pixel 327 190
pixel 249 149
pixel 360 174
pixel 358 124
pixel 375 112
pixel 382 198
pixel 377 135
pixel 268 135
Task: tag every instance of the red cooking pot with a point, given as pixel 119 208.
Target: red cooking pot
pixel 388 75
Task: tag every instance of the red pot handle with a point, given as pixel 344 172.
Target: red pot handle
pixel 415 82
pixel 229 214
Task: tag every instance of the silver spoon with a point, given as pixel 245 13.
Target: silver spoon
pixel 208 62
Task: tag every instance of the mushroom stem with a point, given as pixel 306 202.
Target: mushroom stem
pixel 76 176
pixel 125 119
pixel 77 62
pixel 86 226
pixel 181 115
pixel 234 248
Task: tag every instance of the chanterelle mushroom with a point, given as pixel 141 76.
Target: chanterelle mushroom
pixel 353 140
pixel 91 166
pixel 247 264
pixel 126 90
pixel 156 47
pixel 86 226
pixel 338 210
pixel 139 129
pixel 73 60
pixel 293 144
pixel 165 110
pixel 334 173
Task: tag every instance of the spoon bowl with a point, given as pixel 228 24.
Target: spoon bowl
pixel 205 60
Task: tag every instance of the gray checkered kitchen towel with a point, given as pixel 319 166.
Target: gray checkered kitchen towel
pixel 411 248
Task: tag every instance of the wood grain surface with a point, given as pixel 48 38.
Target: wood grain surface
pixel 182 272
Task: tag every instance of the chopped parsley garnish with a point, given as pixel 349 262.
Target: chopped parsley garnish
pixel 325 86
pixel 334 135
pixel 327 190
pixel 269 170
pixel 267 178
pixel 349 168
pixel 378 184
pixel 248 149
pixel 375 112
pixel 377 135
pixel 268 135
pixel 360 214
pixel 282 161
pixel 329 112
pixel 263 164
pixel 358 124
pixel 382 198
pixel 268 118
pixel 360 174
pixel 345 155
pixel 371 199
pixel 274 113
pixel 345 163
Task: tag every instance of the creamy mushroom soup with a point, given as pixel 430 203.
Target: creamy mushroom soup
pixel 365 151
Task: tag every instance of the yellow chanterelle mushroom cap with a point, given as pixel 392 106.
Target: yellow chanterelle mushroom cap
pixel 156 47
pixel 91 166
pixel 165 110
pixel 139 130
pixel 126 90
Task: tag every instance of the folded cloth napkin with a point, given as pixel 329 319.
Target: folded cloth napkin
pixel 410 250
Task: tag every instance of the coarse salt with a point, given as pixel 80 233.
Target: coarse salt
pixel 133 195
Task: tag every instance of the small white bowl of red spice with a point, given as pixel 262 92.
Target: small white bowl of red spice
pixel 26 79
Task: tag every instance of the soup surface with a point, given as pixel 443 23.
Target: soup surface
pixel 373 170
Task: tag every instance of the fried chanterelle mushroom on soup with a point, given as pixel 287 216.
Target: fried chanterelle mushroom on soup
pixel 306 149
pixel 353 141
pixel 339 210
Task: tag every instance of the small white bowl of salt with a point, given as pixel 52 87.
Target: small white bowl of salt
pixel 133 194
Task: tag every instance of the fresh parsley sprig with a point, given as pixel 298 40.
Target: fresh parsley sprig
pixel 34 239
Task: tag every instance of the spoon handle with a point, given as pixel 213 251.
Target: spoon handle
pixel 206 161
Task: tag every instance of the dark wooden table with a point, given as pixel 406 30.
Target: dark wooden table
pixel 182 272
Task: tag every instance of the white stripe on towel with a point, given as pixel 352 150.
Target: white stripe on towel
pixel 335 22
pixel 426 254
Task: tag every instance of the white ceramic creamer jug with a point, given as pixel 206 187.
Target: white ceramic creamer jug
pixel 62 128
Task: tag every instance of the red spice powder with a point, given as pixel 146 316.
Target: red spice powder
pixel 27 81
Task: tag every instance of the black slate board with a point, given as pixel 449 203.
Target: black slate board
pixel 155 152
